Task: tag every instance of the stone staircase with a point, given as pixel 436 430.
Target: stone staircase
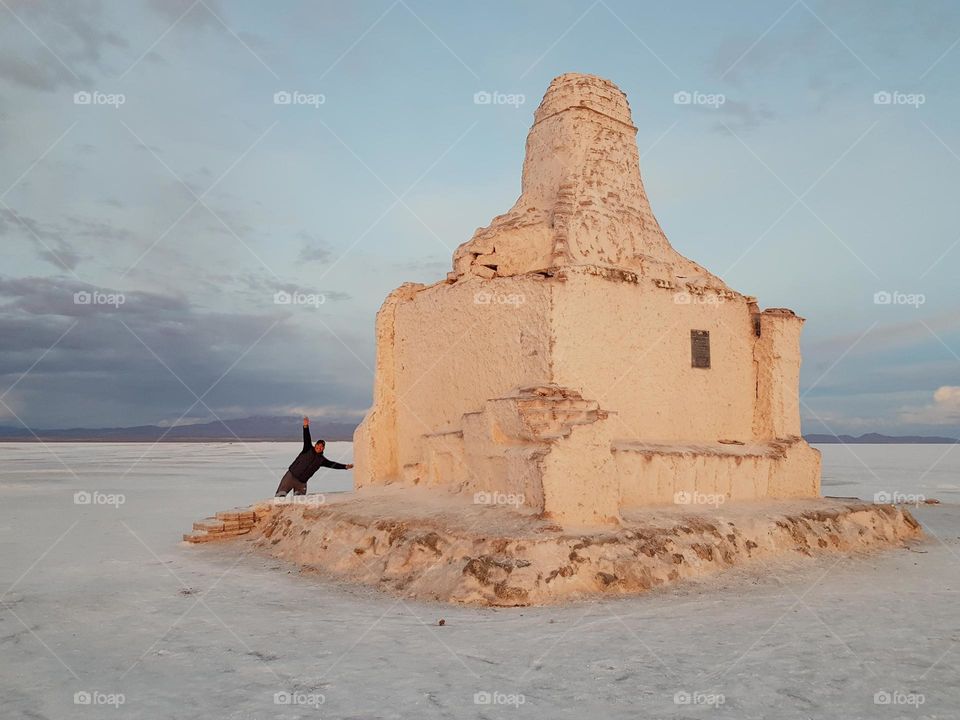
pixel 517 445
pixel 228 524
pixel 549 412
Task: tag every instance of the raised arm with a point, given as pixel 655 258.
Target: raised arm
pixel 307 445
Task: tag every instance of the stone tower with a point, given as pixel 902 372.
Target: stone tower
pixel 582 199
pixel 573 361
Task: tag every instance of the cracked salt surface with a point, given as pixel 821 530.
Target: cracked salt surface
pixel 98 603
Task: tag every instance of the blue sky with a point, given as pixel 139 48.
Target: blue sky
pixel 198 197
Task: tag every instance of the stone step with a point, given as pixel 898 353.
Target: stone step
pixel 227 524
pixel 545 391
pixel 553 436
pixel 586 418
pixel 574 413
pixel 545 402
pixel 541 428
pixel 576 416
pixel 198 537
pixel 209 525
pixel 560 402
pixel 533 419
pixel 237 515
pixel 201 537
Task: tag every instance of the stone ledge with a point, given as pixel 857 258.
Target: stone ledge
pixel 754 449
pixel 448 550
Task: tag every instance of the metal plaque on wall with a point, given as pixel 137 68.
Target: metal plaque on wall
pixel 700 348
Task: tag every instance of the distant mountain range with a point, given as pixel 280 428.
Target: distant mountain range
pixel 247 429
pixel 878 439
pixel 273 428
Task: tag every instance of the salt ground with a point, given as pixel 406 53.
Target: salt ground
pixel 103 599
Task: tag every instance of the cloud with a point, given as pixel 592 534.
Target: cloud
pixel 77 32
pixel 834 422
pixel 313 249
pixel 154 57
pixel 944 410
pixel 188 13
pixel 799 48
pixel 65 297
pixel 742 117
pixel 133 363
pixel 889 336
pixel 56 242
pixel 48 240
pixel 200 16
pixel 740 57
pixel 87 230
pixel 39 72
pixel 426 269
pixel 259 287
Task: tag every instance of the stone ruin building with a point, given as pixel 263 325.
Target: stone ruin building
pixel 574 360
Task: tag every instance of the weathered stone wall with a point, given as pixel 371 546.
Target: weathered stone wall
pixel 375 440
pixel 452 348
pixel 650 474
pixel 777 358
pixel 627 345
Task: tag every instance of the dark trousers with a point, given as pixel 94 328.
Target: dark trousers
pixel 288 483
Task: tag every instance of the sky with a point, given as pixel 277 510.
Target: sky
pixel 156 193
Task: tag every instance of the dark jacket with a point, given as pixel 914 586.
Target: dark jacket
pixel 309 460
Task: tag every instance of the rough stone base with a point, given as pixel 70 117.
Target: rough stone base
pixel 417 545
